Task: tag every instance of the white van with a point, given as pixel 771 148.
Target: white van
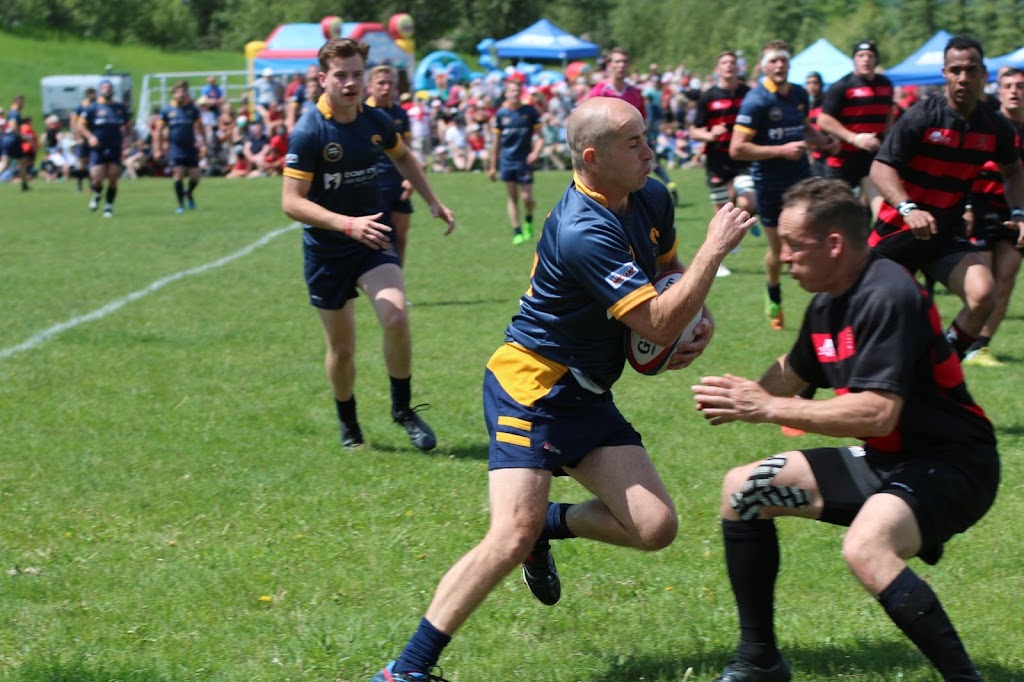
pixel 63 94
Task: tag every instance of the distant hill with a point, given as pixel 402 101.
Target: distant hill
pixel 25 61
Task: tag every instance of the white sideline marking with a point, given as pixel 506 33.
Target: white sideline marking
pixel 98 314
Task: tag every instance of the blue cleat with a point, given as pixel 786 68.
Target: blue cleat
pixel 179 210
pixel 386 675
pixel 191 203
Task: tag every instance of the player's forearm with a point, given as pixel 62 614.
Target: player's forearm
pixel 411 170
pixel 851 415
pixel 833 127
pixel 302 210
pixel 744 150
pixel 887 180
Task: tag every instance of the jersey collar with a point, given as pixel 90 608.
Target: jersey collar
pixel 596 196
pixel 323 105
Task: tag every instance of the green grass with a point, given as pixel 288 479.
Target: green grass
pixel 24 62
pixel 176 505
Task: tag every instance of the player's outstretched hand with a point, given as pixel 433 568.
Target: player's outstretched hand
pixel 731 398
pixel 444 213
pixel 727 228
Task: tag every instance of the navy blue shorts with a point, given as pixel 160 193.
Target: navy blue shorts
pixel 10 146
pixel 541 418
pixel 391 200
pixel 102 155
pixel 769 206
pixel 183 156
pixel 522 175
pixel 948 489
pixel 331 278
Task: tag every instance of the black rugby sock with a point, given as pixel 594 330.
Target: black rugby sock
pixel 775 293
pixel 111 194
pixel 752 562
pixel 915 609
pixel 959 339
pixel 401 394
pixel 179 191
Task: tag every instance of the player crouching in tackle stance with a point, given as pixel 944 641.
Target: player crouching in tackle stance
pixel 927 467
pixel 330 185
pixel 547 391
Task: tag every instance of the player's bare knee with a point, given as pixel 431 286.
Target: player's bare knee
pixel 860 553
pixel 659 532
pixel 759 496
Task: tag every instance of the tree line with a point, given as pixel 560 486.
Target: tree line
pixel 663 31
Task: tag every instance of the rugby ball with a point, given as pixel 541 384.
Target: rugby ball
pixel 646 356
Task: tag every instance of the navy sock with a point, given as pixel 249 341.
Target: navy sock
pixel 555 526
pixel 401 394
pixel 111 194
pixel 752 561
pixel 179 191
pixel 424 648
pixel 662 174
pixel 192 182
pixel 775 293
pixel 346 410
pixel 915 609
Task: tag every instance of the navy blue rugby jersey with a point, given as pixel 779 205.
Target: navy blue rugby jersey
pixel 516 128
pixel 387 174
pixel 592 267
pixel 339 160
pixel 106 121
pixel 181 121
pixel 773 120
pixel 885 334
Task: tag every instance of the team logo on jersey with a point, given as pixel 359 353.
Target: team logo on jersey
pixel 654 234
pixel 940 136
pixel 616 278
pixel 775 114
pixel 333 152
pixel 291 158
pixel 377 142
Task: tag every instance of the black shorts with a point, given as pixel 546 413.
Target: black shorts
pixel 948 489
pixel 392 201
pixel 989 229
pixel 719 169
pixel 936 257
pixel 854 168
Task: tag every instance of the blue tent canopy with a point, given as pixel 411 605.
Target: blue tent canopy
pixel 924 67
pixel 545 41
pixel 1015 59
pixel 823 57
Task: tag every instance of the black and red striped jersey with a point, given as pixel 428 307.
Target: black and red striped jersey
pixel 717 105
pixel 988 193
pixel 938 154
pixel 884 334
pixel 812 117
pixel 862 106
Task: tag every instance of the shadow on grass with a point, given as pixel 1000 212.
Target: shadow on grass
pixel 416 303
pixel 477 451
pixel 865 661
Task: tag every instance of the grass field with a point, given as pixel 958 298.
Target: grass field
pixel 176 505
